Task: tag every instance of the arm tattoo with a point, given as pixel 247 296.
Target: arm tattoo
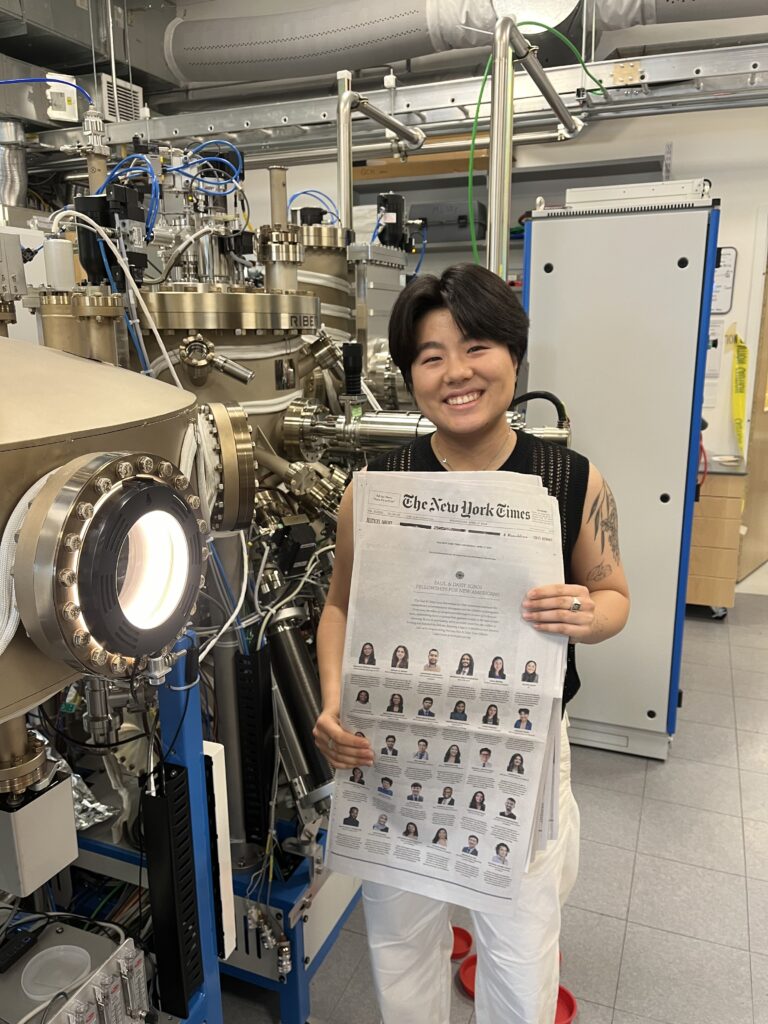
pixel 605 517
pixel 599 572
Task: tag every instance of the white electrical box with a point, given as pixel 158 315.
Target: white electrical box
pixel 28 857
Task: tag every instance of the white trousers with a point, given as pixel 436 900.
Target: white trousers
pixel 517 978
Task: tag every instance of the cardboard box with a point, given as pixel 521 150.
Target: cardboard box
pixel 708 591
pixel 716 533
pixel 721 563
pixel 712 507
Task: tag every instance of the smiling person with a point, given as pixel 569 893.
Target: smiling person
pixel 459 340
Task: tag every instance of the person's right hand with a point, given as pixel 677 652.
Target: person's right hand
pixel 340 748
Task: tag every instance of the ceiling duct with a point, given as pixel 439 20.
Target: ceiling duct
pixel 364 34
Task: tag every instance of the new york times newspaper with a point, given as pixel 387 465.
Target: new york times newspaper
pixel 458 695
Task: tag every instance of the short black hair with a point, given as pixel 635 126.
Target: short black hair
pixel 482 305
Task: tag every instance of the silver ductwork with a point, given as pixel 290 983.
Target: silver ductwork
pixel 363 34
pixel 350 34
pixel 13 164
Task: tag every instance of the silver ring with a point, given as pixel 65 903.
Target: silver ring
pixel 331 744
pixel 576 605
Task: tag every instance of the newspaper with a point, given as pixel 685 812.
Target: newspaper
pixel 458 695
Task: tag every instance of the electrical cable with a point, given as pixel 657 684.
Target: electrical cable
pixel 139 348
pixel 221 579
pixel 562 415
pixel 176 253
pixel 423 252
pixel 77 215
pixel 567 42
pixel 375 234
pixel 325 201
pixel 92 748
pixel 243 590
pixel 49 81
pixel 59 995
pixel 471 165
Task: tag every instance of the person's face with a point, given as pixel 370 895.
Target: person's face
pixel 447 792
pixel 432 657
pixel 427 703
pixel 390 742
pixel 382 819
pixel 367 650
pixel 465 660
pixel 460 706
pixel 462 385
pixel 410 829
pixel 492 711
pixel 386 783
pixel 517 760
pixel 453 750
pixel 477 799
pixel 530 666
pixel 397 700
pixel 416 789
pixel 509 805
pixel 502 851
pixel 442 834
pixel 498 664
pixel 362 697
pixel 484 756
pixel 471 842
pixel 523 716
pixel 353 812
pixel 399 653
pixel 357 773
pixel 422 745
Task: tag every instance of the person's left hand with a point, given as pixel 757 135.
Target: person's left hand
pixel 548 609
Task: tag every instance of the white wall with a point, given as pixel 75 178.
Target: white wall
pixel 728 147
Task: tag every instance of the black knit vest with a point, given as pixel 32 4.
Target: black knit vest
pixel 563 472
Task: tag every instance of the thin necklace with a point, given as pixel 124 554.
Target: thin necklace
pixel 482 469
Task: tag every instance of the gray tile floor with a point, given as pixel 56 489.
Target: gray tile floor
pixel 668 922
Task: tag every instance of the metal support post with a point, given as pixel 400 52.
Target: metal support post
pixel 526 54
pixel 344 148
pixel 181 723
pixel 500 150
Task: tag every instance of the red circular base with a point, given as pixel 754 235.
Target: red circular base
pixel 567 1007
pixel 462 943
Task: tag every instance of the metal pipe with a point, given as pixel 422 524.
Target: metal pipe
pixel 278 194
pixel 344 147
pixel 413 137
pixel 500 150
pixel 13 739
pixel 108 4
pixel 526 54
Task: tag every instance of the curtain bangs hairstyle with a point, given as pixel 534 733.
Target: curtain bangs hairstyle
pixel 483 306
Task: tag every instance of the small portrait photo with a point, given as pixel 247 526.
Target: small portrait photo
pixel 367 655
pixel 452 754
pixel 363 697
pixel 496 671
pixel 441 838
pixel 466 666
pixel 425 711
pixel 352 818
pixel 400 657
pixel 415 793
pixel 523 722
pixel 459 713
pixel 381 824
pixel 471 847
pixel 484 757
pixel 509 809
pixel 501 855
pixel 491 716
pixel 432 663
pixel 421 753
pixel 357 777
pixel 477 803
pixel 396 703
pixel 389 749
pixel 411 830
pixel 530 675
pixel 516 765
pixel 447 797
pixel 385 788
